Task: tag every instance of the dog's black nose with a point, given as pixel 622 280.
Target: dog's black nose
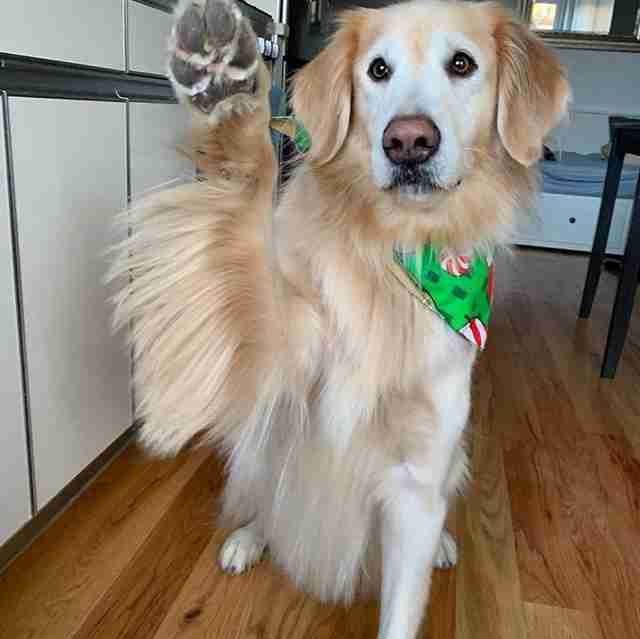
pixel 411 139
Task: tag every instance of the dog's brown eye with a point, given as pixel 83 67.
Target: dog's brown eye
pixel 379 70
pixel 462 64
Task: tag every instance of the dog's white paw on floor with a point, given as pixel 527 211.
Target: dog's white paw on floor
pixel 242 549
pixel 447 553
pixel 213 54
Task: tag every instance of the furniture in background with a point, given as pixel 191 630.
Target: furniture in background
pixel 625 138
pixel 88 122
pixel 565 214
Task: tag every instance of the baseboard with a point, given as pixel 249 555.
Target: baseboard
pixel 20 541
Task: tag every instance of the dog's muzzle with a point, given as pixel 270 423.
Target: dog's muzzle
pixel 409 142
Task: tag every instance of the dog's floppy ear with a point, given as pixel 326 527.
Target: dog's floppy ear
pixel 322 92
pixel 533 92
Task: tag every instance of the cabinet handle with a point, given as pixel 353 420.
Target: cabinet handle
pixel 572 220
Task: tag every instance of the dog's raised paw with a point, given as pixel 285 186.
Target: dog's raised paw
pixel 213 53
pixel 242 549
pixel 447 552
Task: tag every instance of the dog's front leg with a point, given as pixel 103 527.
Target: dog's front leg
pixel 411 523
pixel 217 73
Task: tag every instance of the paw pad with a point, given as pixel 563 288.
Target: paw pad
pixel 214 54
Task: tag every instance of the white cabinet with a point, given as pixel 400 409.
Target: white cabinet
pixel 569 222
pixel 70 163
pixel 15 507
pixel 70 174
pixel 87 32
pixel 158 133
pixel 149 31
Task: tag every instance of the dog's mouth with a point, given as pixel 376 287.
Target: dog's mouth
pixel 418 180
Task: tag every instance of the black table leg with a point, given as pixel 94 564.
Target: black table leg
pixel 610 192
pixel 625 295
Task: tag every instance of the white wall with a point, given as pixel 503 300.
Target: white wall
pixel 603 82
pixel 604 79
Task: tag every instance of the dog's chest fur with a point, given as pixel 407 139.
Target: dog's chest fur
pixel 374 347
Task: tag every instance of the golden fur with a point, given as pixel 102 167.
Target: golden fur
pixel 282 335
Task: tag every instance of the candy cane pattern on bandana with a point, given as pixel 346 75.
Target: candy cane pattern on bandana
pixel 456 287
pixel 476 332
pixel 456 265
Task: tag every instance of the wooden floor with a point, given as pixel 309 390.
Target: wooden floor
pixel 549 531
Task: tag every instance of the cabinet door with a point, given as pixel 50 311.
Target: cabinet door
pixel 14 474
pixel 87 32
pixel 149 31
pixel 70 170
pixel 268 6
pixel 158 131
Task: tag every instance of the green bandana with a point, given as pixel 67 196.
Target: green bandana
pixel 456 287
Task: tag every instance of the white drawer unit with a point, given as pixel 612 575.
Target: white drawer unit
pixel 157 132
pixel 149 30
pixel 70 176
pixel 89 32
pixel 15 508
pixel 569 222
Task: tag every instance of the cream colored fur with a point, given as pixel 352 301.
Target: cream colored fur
pixel 282 337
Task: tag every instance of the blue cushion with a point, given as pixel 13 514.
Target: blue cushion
pixel 577 174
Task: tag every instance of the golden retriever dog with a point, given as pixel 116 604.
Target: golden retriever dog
pixel 282 331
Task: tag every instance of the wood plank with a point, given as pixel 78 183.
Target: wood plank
pixel 49 590
pixel 261 603
pixel 441 614
pixel 139 598
pixel 551 570
pixel 549 622
pixel 265 603
pixel 576 346
pixel 575 483
pixel 533 473
pixel 553 289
